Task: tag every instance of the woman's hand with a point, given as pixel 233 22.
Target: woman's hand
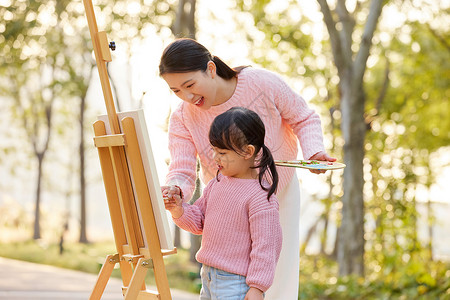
pixel 254 294
pixel 322 156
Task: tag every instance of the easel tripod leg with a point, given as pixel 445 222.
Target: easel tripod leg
pixel 103 276
pixel 137 280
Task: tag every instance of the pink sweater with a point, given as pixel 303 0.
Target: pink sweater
pixel 241 229
pixel 285 114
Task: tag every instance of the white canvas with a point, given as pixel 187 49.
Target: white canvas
pixel 151 174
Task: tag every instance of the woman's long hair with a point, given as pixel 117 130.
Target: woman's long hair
pixel 238 127
pixel 187 55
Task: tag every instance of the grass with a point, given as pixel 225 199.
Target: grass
pixel 181 273
pixel 419 278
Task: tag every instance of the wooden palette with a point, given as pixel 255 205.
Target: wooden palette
pixel 310 164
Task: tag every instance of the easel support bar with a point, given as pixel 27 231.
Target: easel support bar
pixel 132 258
pixel 110 140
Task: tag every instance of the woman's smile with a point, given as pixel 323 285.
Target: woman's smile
pixel 200 101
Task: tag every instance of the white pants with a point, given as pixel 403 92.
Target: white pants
pixel 285 284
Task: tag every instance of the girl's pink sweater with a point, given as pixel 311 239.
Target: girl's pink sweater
pixel 285 114
pixel 241 229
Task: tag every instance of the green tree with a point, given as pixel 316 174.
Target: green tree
pixel 31 73
pixel 406 92
pixel 407 132
pixel 79 69
pixel 38 42
pixel 350 31
pixel 351 66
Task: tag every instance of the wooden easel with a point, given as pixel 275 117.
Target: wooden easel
pixel 137 240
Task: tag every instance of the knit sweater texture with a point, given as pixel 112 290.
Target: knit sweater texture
pixel 285 114
pixel 240 227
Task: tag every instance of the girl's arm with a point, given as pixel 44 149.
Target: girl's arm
pixel 192 217
pixel 183 157
pixel 265 230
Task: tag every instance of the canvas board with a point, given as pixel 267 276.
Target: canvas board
pixel 151 175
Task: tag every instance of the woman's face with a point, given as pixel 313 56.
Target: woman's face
pixel 196 88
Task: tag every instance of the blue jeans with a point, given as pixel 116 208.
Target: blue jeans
pixel 221 285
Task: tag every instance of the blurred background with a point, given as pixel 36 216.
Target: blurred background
pixel 378 73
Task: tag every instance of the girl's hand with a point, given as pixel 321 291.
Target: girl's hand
pixel 254 294
pixel 175 206
pixel 323 156
pixel 173 201
pixel 169 191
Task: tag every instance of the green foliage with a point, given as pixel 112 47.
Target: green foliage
pixel 419 94
pixel 414 279
pixel 406 128
pixel 42 61
pixel 287 38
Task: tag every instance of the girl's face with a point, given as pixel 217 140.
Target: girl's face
pixel 233 164
pixel 196 88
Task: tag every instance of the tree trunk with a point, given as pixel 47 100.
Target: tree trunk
pixel 351 68
pixel 323 238
pixel 177 237
pixel 184 25
pixel 37 215
pixel 83 235
pixel 430 228
pixel 309 235
pixel 196 240
pixel 40 154
pixel 351 241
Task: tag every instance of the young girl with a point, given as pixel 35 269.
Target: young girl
pixel 209 87
pixel 237 213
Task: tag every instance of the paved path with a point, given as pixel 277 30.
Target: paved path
pixel 21 280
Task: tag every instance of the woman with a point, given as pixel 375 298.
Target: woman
pixel 209 87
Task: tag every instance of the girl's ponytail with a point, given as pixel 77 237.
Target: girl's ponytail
pixel 267 166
